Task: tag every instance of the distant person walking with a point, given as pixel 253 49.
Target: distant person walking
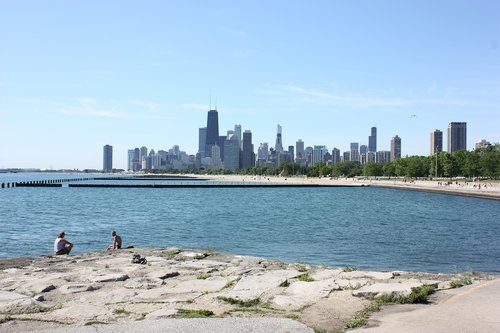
pixel 62 246
pixel 117 244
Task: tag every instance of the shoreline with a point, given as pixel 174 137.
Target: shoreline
pixel 460 188
pixel 109 288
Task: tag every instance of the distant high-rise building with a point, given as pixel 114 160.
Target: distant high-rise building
pixel 143 153
pixel 354 152
pixel 346 156
pixel 336 156
pixel 231 153
pixel 395 148
pixel 237 132
pixel 212 131
pixel 130 159
pixel 308 152
pixel 107 164
pixel 436 142
pixel 247 155
pixel 483 144
pixel 263 152
pixel 363 149
pixel 372 140
pixel 216 160
pixel 222 139
pixel 279 141
pixel 318 154
pixel 202 141
pixel 137 159
pixel 371 157
pixel 383 156
pixel 457 136
pixel 299 149
pixel 291 152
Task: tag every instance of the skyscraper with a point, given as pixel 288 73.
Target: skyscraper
pixel 336 156
pixel 372 140
pixel 318 153
pixel 457 137
pixel 436 142
pixel 247 155
pixel 231 153
pixel 107 158
pixel 212 132
pixel 279 143
pixel 354 151
pixel 395 148
pixel 202 141
pixel 237 132
pixel 299 150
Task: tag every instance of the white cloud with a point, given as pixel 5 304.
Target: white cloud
pixel 363 100
pixel 153 107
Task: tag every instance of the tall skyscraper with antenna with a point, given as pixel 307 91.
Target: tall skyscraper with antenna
pixel 212 131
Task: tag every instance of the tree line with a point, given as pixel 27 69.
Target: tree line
pixel 481 163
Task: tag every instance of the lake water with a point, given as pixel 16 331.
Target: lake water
pixel 369 228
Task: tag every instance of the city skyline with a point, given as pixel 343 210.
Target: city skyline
pixel 327 72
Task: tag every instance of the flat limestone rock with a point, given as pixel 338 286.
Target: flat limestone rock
pixel 211 284
pixel 143 283
pixel 254 286
pixel 265 280
pixel 161 314
pixel 326 274
pixel 388 289
pixel 165 295
pixel 78 288
pixel 110 278
pixel 163 275
pixel 14 303
pixel 302 293
pixel 367 275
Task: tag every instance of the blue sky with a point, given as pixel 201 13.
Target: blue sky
pixel 76 75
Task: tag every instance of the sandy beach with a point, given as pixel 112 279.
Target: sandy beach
pixel 487 190
pixel 104 288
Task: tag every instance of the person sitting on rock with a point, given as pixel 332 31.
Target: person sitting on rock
pixel 62 246
pixel 117 244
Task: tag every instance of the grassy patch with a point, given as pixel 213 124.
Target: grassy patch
pixel 188 313
pixel 240 303
pixel 285 284
pixel 293 316
pixel 464 281
pixel 121 311
pixel 361 317
pixel 94 322
pixel 348 269
pixel 230 284
pixel 302 268
pixel 203 276
pixel 6 319
pixel 418 295
pixel 305 278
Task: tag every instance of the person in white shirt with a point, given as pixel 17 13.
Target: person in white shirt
pixel 62 246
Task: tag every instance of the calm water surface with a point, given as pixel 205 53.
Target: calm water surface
pixel 368 228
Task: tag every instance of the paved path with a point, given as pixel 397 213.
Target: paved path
pixel 219 325
pixel 474 308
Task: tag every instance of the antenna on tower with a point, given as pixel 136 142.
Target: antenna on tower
pixel 210 101
pixel 216 104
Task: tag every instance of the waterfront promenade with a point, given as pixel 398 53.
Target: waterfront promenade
pixel 109 292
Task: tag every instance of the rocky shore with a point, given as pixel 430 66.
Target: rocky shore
pixel 132 285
